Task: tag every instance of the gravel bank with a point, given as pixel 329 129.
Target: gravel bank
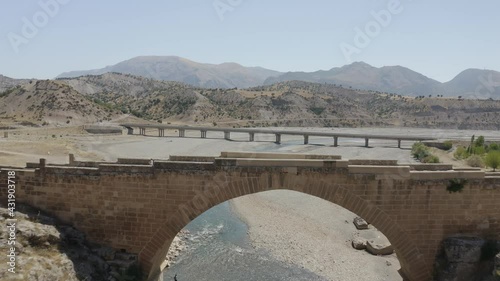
pixel 311 233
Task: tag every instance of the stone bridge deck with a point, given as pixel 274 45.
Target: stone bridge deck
pixel 278 133
pixel 139 205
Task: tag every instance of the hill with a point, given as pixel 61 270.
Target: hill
pixel 7 82
pixel 295 103
pixel 52 102
pixel 171 68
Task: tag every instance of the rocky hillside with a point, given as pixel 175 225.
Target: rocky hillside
pixel 286 104
pixel 52 102
pixel 48 250
pixel 171 68
pixel 295 103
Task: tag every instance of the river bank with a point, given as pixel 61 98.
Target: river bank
pixel 311 233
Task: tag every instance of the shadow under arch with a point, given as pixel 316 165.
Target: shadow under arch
pixel 152 256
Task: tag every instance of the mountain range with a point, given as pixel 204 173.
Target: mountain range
pixel 471 83
pixel 171 68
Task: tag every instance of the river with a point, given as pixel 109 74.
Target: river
pixel 219 249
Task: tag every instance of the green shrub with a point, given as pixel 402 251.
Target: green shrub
pixel 494 146
pixel 492 159
pixel 456 185
pixel 475 161
pixel 479 150
pixel 447 145
pixel 461 153
pixel 431 159
pixel 420 151
pixel 479 142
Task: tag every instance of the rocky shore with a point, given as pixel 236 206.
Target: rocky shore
pixel 48 250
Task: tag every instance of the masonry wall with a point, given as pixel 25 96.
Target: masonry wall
pixel 140 208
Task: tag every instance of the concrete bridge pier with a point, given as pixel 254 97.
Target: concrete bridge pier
pixel 335 141
pixel 306 139
pixel 399 143
pixel 278 138
pixel 142 131
pixel 130 131
pixel 161 132
pixel 227 135
pixel 203 134
pixel 182 133
pixel 366 142
pixel 251 136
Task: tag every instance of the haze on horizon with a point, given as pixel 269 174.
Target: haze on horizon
pixel 438 40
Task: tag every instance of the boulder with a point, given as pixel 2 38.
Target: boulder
pixel 359 243
pixel 379 246
pixel 360 223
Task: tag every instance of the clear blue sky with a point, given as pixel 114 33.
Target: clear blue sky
pixel 436 38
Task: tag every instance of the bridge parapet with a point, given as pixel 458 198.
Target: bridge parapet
pixel 239 161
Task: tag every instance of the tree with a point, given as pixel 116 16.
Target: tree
pixel 492 159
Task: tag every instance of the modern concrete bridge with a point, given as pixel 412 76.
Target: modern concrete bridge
pixel 278 133
pixel 139 205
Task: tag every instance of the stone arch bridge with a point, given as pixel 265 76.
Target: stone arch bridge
pixel 140 205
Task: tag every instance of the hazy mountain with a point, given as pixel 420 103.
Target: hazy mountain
pixel 473 83
pixel 170 68
pixel 359 75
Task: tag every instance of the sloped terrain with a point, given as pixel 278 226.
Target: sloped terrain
pixel 52 102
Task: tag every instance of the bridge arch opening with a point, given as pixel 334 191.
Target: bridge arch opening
pixel 289 234
pixel 152 256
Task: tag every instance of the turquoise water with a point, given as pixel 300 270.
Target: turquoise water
pixel 219 249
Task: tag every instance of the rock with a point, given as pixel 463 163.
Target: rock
pixel 465 258
pixel 496 271
pixel 359 243
pixel 360 223
pixel 38 234
pixel 72 236
pixel 463 249
pixel 379 246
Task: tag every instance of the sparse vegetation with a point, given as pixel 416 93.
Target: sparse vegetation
pixel 422 153
pixel 291 103
pixel 475 161
pixel 492 159
pixel 447 145
pixel 456 185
